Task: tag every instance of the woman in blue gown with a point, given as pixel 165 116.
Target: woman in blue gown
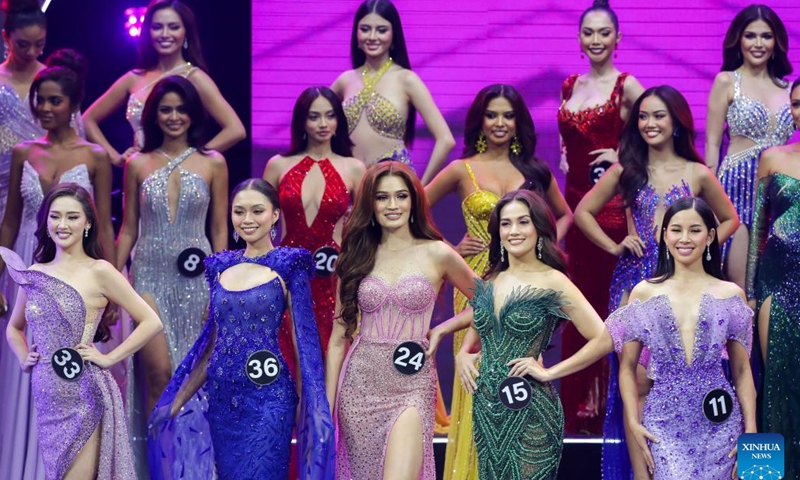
pixel 236 365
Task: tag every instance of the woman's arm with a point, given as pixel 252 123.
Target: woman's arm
pixel 560 209
pixel 220 110
pixel 421 98
pixel 273 170
pixel 15 335
pixel 13 215
pixel 718 100
pixel 129 231
pixel 712 192
pixel 459 322
pixel 219 203
pixel 631 91
pixel 743 383
pixel 337 349
pixel 446 181
pixel 110 101
pixel 630 400
pixel 102 198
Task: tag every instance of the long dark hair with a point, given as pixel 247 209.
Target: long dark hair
pixel 543 222
pixel 666 265
pixel 536 173
pixel 362 234
pixel 67 68
pixel 399 53
pixel 22 14
pixel 633 150
pixel 153 135
pixel 778 65
pixel 45 247
pixel 601 6
pixel 148 57
pixel 340 143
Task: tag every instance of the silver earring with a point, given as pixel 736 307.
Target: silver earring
pixel 708 253
pixel 502 252
pixel 5 52
pixel 236 236
pixel 185 44
pixel 72 120
pixel 372 222
pixel 667 250
pixel 539 249
pixel 86 232
pixel 412 218
pixel 273 233
pixel 675 133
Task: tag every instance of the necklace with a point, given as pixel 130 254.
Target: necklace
pixel 372 80
pixel 181 156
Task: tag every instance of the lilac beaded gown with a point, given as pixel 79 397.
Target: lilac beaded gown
pixel 372 394
pixel 690 445
pixel 250 425
pixel 67 413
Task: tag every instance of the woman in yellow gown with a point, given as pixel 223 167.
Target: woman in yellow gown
pixel 499 146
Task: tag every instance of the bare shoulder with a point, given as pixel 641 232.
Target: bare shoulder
pixel 632 86
pixel 723 82
pixel 643 291
pixel 214 156
pixel 409 78
pixel 725 289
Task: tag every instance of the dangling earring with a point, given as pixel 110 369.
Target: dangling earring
pixel 372 222
pixel 412 218
pixel 480 144
pixel 539 249
pixel 273 232
pixel 667 250
pixel 582 55
pixel 305 136
pixel 708 253
pixel 86 232
pixel 72 120
pixel 502 252
pixel 675 133
pixel 615 54
pixel 236 236
pixel 185 44
pixel 5 51
pixel 516 147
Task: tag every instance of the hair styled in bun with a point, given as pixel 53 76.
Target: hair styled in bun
pixel 67 68
pixel 22 14
pixel 601 6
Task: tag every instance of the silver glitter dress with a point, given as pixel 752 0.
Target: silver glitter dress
pixel 69 412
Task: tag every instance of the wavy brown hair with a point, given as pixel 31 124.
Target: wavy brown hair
pixel 362 235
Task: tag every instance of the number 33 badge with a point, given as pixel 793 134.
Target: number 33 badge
pixel 68 364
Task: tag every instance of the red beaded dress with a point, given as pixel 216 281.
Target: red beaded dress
pixel 314 238
pixel 583 394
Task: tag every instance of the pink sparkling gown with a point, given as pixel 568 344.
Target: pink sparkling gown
pixel 372 394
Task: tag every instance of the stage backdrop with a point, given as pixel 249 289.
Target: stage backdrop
pixel 458 47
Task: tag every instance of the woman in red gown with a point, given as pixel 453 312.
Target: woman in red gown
pixel 594 107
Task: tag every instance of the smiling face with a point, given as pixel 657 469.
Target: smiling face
pixel 757 43
pixel 687 237
pixel 598 36
pixel 392 202
pixel 374 36
pixel 499 124
pixel 253 215
pixel 172 117
pixel 53 107
pixel 655 122
pixel 66 222
pixel 321 121
pixel 167 31
pixel 518 236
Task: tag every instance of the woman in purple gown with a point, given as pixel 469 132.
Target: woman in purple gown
pixel 690 320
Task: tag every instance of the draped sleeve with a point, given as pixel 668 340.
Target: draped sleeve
pixel 740 322
pixel 623 326
pixel 16 268
pixel 758 236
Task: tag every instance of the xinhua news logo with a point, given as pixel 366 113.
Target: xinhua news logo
pixel 760 456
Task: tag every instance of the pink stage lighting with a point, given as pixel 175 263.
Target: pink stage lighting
pixel 134 17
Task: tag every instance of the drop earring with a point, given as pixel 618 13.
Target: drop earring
pixel 86 232
pixel 273 232
pixel 72 120
pixel 412 218
pixel 708 253
pixel 480 144
pixel 516 146
pixel 236 236
pixel 185 44
pixel 502 252
pixel 539 249
pixel 667 250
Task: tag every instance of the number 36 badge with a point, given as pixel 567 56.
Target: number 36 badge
pixel 262 367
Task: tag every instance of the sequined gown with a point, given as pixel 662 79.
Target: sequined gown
pixel 251 426
pixel 67 413
pixel 371 393
pixel 583 132
pixel 751 119
pixel 461 460
pixel 773 263
pixel 19 450
pixel 319 234
pixel 516 444
pixel 689 446
pixel 629 271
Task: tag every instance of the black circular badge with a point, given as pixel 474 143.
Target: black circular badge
pixel 515 393
pixel 597 170
pixel 409 358
pixel 262 367
pixel 325 261
pixel 68 364
pixel 190 262
pixel 717 405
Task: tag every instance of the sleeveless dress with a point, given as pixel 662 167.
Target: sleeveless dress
pixel 583 132
pixel 67 413
pixel 319 234
pixel 251 425
pixel 383 119
pixel 690 445
pixel 630 271
pixel 372 394
pixel 520 444
pixel 751 119
pixel 181 301
pixel 461 461
pixel 772 266
pixel 19 450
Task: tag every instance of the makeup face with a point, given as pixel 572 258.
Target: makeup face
pixel 517 233
pixel 598 36
pixel 687 237
pixel 167 31
pixel 321 121
pixel 393 202
pixel 499 121
pixel 53 107
pixel 252 215
pixel 26 44
pixel 655 122
pixel 374 35
pixel 758 43
pixel 66 222
pixel 172 117
pixel 795 105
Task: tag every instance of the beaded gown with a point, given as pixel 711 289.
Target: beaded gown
pixel 313 237
pixel 583 132
pixel 772 266
pixel 371 393
pixel 251 425
pixel 461 461
pixel 516 444
pixel 19 450
pixel 690 445
pixel 751 119
pixel 67 413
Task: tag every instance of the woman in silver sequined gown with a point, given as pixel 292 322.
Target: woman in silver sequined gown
pixel 751 97
pixel 170 189
pixel 163 51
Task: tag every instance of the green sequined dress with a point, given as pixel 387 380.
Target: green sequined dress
pixel 523 444
pixel 773 265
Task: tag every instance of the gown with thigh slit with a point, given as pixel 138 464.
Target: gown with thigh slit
pixel 773 263
pixel 250 425
pixel 69 412
pixel 372 394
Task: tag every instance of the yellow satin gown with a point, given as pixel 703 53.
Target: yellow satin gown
pixel 461 460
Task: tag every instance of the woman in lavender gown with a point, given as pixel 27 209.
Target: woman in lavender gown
pixel 79 416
